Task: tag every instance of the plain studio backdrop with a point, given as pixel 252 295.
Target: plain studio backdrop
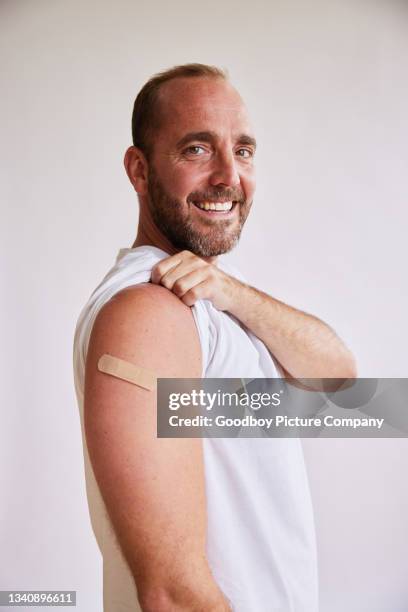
pixel 326 84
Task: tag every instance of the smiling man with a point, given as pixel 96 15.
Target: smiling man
pixel 189 524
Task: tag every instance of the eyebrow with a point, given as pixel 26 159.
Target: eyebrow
pixel 243 139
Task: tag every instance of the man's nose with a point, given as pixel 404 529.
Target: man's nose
pixel 225 170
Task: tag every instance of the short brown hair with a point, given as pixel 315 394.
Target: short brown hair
pixel 145 115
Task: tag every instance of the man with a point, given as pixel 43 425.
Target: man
pixel 191 524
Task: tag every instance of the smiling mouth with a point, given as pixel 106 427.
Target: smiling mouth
pixel 216 207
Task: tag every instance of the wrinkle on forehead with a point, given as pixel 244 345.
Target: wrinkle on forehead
pixel 200 98
pixel 180 88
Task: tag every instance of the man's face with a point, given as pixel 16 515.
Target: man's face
pixel 202 159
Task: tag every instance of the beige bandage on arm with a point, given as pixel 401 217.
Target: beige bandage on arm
pixel 127 371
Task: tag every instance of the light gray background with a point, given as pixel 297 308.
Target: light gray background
pixel 327 86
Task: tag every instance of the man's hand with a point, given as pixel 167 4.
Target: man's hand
pixel 191 278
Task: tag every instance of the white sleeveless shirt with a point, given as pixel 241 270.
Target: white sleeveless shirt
pixel 260 532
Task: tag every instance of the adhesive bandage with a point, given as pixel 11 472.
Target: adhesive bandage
pixel 127 371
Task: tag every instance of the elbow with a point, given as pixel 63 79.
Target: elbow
pixel 157 600
pixel 162 599
pixel 343 374
pixel 349 367
pixel 340 364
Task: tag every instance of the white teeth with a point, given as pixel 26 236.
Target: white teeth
pixel 218 206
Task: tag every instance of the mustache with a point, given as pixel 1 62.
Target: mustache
pixel 217 195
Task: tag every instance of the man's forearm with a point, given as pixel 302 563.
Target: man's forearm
pixel 304 345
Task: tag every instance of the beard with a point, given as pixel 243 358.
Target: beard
pixel 185 231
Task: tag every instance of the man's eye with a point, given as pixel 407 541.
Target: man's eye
pixel 246 153
pixel 195 150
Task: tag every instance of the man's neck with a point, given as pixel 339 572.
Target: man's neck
pixel 149 234
pixel 143 238
pixel 154 238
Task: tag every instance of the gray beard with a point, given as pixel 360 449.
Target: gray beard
pixel 178 227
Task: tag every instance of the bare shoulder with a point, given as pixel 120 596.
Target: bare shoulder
pixel 149 325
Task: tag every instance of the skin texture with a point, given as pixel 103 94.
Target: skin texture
pixel 154 488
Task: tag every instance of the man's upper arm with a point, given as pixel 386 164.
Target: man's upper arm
pixel 153 488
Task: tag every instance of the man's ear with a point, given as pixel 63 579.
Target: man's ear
pixel 137 169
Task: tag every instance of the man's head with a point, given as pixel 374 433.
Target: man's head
pixel 193 150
